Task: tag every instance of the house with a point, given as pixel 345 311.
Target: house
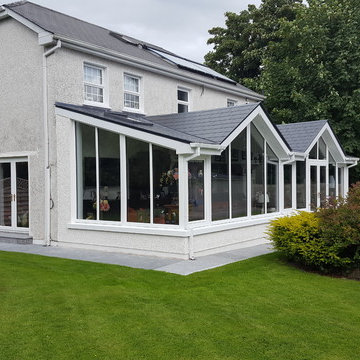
pixel 112 143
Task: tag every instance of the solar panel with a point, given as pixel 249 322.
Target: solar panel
pixel 191 65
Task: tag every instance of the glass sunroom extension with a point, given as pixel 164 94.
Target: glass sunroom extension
pixel 225 172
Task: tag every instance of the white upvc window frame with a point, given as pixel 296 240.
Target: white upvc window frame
pixel 131 92
pixel 102 86
pixel 231 101
pixel 183 102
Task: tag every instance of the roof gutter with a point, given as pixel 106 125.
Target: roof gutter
pixel 47 188
pixel 147 65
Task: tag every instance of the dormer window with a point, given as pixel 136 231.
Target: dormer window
pixel 93 84
pixel 183 100
pixel 131 92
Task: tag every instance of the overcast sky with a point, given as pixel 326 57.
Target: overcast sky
pixel 180 26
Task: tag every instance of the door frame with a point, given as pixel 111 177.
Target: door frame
pixel 317 164
pixel 12 161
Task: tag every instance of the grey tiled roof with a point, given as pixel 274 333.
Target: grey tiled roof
pixel 300 135
pixel 207 127
pixel 64 25
pixel 213 125
pixel 134 121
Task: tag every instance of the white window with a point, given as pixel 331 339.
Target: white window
pixel 93 83
pixel 231 102
pixel 183 100
pixel 131 92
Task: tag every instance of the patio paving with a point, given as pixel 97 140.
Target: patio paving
pixel 170 265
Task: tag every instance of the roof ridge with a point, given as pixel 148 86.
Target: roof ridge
pixel 303 122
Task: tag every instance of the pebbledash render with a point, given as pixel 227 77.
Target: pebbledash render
pixel 112 143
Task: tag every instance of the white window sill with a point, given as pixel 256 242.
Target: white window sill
pixel 135 111
pixel 97 104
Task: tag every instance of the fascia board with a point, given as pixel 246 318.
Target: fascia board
pixel 258 112
pixel 149 66
pixel 180 147
pixel 327 127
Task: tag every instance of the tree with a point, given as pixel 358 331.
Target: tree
pixel 312 71
pixel 240 47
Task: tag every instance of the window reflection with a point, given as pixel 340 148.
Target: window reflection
pixel 196 190
pixel 272 164
pixel 258 197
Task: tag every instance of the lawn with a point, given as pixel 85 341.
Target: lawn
pixel 259 309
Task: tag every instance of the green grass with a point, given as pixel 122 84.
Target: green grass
pixel 255 309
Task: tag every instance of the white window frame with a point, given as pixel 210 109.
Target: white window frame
pixel 138 93
pixel 103 86
pixel 182 102
pixel 228 101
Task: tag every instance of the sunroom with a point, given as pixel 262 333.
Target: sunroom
pixel 188 184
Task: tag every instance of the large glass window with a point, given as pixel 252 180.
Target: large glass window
pixel 86 172
pixel 220 186
pixel 272 169
pixel 22 194
pixel 258 197
pixel 313 188
pixel 166 189
pixel 5 194
pixel 300 185
pixel 238 176
pixel 138 181
pixel 322 149
pixel 332 176
pixel 109 175
pixel 287 186
pixel 196 190
pixel 341 181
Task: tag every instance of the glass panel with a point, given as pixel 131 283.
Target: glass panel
pixel 138 175
pixel 238 176
pixel 313 184
pixel 272 180
pixel 166 187
pixel 257 172
pixel 332 176
pixel 322 185
pixel 182 108
pixel 322 149
pixel 183 95
pixel 340 182
pixel 5 194
pixel 313 152
pixel 300 185
pixel 86 172
pixel 231 103
pixel 131 101
pixel 22 194
pixel 93 75
pixel 220 186
pixel 131 83
pixel 109 175
pixel 196 190
pixel 287 186
pixel 93 93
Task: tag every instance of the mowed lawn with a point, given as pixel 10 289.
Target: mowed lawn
pixel 259 309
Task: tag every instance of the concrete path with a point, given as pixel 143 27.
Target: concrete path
pixel 175 266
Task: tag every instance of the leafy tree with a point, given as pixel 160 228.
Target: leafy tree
pixel 241 45
pixel 312 71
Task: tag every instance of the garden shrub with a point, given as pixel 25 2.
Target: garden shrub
pixel 327 240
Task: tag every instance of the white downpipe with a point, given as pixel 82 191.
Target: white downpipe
pixel 191 245
pixel 47 189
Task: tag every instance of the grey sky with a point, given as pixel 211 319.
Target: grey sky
pixel 179 26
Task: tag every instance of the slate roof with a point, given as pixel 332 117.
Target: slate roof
pixel 134 121
pixel 207 127
pixel 213 125
pixel 64 25
pixel 300 135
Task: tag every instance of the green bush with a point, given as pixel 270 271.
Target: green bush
pixel 327 240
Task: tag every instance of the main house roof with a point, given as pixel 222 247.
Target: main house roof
pixel 63 25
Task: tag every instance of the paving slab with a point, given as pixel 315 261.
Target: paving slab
pixel 170 265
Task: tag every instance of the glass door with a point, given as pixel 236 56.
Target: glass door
pixel 317 186
pixel 14 194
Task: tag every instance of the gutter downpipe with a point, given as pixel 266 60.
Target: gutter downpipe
pixel 47 189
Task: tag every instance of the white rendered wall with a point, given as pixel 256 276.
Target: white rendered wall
pixel 21 109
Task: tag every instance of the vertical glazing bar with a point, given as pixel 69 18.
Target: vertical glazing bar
pixel 97 174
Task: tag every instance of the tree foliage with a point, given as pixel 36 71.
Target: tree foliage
pixel 239 48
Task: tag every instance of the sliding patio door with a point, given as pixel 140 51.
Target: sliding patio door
pixel 14 194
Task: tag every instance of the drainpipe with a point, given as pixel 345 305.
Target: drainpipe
pixel 47 189
pixel 191 245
